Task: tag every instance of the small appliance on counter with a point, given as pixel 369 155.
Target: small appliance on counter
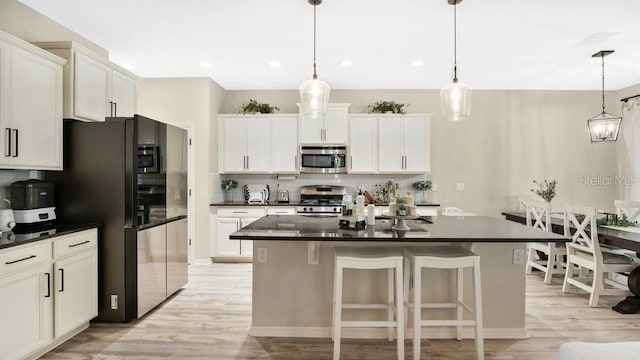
pixel 33 203
pixel 256 194
pixel 7 220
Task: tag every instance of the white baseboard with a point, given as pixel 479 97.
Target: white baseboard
pixel 37 354
pixel 198 262
pixel 381 333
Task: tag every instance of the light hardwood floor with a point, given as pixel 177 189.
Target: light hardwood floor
pixel 210 319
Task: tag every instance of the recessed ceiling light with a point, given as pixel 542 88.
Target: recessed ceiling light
pixel 346 63
pixel 206 64
pixel 127 66
pixel 275 63
pixel 417 63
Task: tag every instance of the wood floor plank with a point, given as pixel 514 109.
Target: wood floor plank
pixel 210 319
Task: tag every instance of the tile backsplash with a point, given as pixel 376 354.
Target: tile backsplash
pixel 352 182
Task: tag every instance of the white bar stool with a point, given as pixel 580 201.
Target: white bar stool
pixel 443 257
pixel 370 259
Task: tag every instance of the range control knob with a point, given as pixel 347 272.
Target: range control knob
pixel 304 209
pixel 335 209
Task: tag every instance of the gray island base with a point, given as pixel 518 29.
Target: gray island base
pixel 293 288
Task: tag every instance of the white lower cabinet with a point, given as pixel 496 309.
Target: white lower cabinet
pixel 76 291
pixel 226 220
pixel 22 313
pixel 48 293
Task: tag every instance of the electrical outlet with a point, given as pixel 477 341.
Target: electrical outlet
pixel 434 187
pixel 262 255
pixel 460 186
pixel 518 256
pixel 114 302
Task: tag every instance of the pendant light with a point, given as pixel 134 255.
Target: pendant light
pixel 604 127
pixel 455 99
pixel 314 93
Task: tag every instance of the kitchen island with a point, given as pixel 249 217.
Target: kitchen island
pixel 294 260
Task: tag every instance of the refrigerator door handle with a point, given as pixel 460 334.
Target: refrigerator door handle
pixel 7 142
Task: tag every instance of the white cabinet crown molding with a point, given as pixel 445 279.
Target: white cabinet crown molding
pixel 15 41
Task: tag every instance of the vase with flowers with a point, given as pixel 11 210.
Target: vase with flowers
pixel 421 186
pixel 227 187
pixel 546 189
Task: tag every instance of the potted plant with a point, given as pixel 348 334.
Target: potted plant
pixel 402 205
pixel 546 190
pixel 421 186
pixel 384 106
pixel 227 187
pixel 254 107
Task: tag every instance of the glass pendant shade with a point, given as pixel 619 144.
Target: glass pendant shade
pixel 314 98
pixel 455 101
pixel 604 127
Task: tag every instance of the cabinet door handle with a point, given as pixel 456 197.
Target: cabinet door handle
pixel 115 109
pixel 247 162
pixel 240 212
pixel 15 132
pixel 7 142
pixel 351 162
pixel 48 275
pixel 78 244
pixel 61 280
pixel 19 260
pixel 110 108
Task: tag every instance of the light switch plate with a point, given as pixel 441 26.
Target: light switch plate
pixel 460 186
pixel 262 255
pixel 518 256
pixel 434 187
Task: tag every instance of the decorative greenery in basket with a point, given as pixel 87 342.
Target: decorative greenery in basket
pixel 546 190
pixel 253 107
pixel 386 106
pixel 228 184
pixel 422 185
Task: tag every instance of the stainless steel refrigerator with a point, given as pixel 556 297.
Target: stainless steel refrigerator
pixel 130 176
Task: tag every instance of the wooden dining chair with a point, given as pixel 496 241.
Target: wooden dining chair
pixel 585 253
pixel 538 215
pixel 630 209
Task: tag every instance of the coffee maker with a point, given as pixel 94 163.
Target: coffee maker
pixel 33 203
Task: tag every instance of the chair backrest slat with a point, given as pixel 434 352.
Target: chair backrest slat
pixel 629 208
pixel 589 241
pixel 538 214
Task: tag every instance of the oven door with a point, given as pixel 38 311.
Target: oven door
pixel 323 160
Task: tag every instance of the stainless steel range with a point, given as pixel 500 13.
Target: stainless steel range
pixel 321 199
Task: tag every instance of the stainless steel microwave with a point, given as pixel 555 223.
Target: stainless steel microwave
pixel 323 159
pixel 148 159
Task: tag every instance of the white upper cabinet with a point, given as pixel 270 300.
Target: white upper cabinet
pixel 403 144
pixel 92 83
pixel 30 106
pixel 332 128
pixel 258 143
pixel 94 87
pixel 362 144
pixel 284 145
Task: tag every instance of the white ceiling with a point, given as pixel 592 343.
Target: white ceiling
pixel 502 44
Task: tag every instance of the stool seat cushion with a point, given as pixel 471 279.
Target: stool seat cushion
pixel 369 253
pixel 597 351
pixel 442 251
pixel 608 257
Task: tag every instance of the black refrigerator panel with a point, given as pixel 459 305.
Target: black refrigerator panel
pixel 98 185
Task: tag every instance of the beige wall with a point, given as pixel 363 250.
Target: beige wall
pixel 20 20
pixel 512 138
pixel 628 145
pixel 194 102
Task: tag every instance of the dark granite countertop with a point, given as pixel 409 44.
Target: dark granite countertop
pixel 436 229
pixel 294 203
pixel 25 236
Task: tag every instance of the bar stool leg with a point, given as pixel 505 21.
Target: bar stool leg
pixel 399 310
pixel 407 278
pixel 460 296
pixel 478 310
pixel 337 312
pixel 417 309
pixel 390 284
